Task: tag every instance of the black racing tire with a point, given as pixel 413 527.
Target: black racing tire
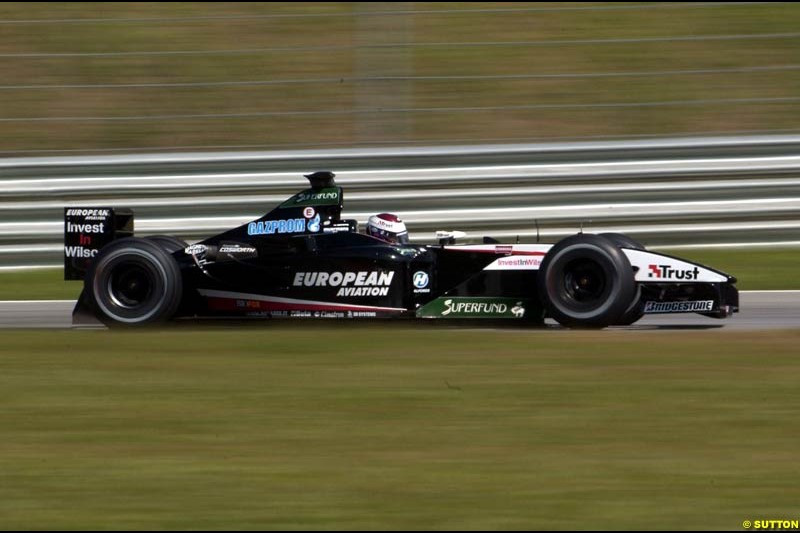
pixel 586 281
pixel 636 310
pixel 134 282
pixel 623 241
pixel 634 313
pixel 168 242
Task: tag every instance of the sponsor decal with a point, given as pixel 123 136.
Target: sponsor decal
pixel 322 197
pixel 86 231
pixel 690 306
pixel 85 228
pixel 313 224
pixel 667 272
pixel 89 214
pixel 248 304
pixel 79 252
pixel 377 221
pixel 309 212
pixel 473 307
pixel 329 314
pixel 421 280
pixel 504 249
pixel 519 262
pixel 362 314
pixel 324 314
pixel 270 227
pixel 195 249
pixel 363 291
pixel 363 283
pixel 233 249
pixel 336 228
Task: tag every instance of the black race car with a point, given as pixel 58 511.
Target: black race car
pixel 302 260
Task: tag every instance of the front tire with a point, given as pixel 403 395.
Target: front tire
pixel 134 282
pixel 636 311
pixel 623 241
pixel 586 281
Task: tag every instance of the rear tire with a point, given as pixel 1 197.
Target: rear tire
pixel 134 282
pixel 168 242
pixel 586 281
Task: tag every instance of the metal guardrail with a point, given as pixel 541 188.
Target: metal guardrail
pixel 712 190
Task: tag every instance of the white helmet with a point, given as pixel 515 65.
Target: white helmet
pixel 387 227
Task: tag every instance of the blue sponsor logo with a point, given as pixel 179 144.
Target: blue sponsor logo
pixel 270 227
pixel 420 279
pixel 313 224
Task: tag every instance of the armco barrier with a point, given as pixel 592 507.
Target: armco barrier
pixel 710 190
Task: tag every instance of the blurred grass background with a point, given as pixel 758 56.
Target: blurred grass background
pixel 393 428
pixel 97 76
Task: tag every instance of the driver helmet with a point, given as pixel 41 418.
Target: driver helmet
pixel 387 227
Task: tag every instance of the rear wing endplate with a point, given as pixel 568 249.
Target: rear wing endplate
pixel 87 230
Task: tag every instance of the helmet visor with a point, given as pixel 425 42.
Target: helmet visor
pixel 389 236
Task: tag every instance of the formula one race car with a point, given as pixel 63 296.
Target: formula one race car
pixel 302 260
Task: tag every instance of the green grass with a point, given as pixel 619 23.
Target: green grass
pixel 360 77
pixel 755 270
pixel 45 284
pixel 387 428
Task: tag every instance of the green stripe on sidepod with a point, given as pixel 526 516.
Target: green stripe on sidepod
pixel 474 307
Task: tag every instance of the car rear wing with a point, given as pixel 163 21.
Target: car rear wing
pixel 87 230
